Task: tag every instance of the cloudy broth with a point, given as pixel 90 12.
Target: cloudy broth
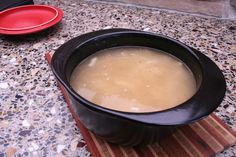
pixel 133 79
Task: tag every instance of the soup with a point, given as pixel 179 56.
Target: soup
pixel 133 79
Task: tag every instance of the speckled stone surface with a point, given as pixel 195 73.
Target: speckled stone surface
pixel 34 118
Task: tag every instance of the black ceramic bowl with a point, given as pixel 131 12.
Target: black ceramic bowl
pixel 139 128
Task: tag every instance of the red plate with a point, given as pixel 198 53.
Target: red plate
pixel 28 19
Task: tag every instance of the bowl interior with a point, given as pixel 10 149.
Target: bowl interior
pixel 123 40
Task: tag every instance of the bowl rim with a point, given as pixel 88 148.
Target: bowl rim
pixel 104 36
pixel 178 115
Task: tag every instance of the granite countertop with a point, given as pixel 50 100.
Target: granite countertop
pixel 34 118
